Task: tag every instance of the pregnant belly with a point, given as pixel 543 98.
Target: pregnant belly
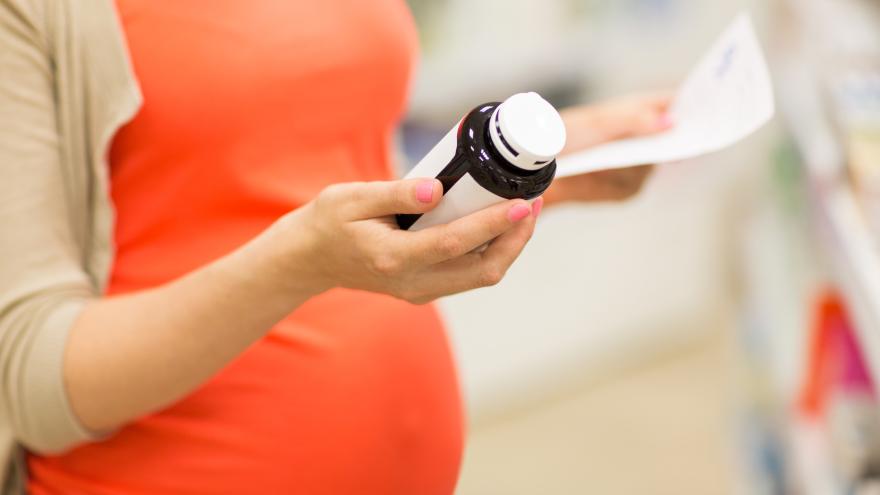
pixel 355 393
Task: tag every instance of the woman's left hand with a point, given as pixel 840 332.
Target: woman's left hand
pixel 591 125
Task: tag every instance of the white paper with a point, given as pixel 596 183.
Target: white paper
pixel 727 96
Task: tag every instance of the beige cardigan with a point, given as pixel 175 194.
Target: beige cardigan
pixel 66 86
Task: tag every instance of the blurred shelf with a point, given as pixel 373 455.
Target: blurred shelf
pixel 855 263
pixel 826 40
pixel 811 459
pixel 845 235
pixel 841 227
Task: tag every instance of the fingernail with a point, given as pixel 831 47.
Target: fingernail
pixel 665 121
pixel 425 191
pixel 518 212
pixel 537 205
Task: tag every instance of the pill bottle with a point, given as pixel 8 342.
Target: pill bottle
pixel 498 151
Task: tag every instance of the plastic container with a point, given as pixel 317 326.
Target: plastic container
pixel 498 151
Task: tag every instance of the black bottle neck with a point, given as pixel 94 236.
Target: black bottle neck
pixel 489 168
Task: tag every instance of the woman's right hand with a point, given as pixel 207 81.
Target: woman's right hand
pixel 164 342
pixel 348 237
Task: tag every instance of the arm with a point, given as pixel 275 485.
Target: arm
pixel 42 288
pixel 134 354
pixel 74 361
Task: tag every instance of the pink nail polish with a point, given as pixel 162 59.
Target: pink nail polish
pixel 537 205
pixel 518 212
pixel 425 191
pixel 665 121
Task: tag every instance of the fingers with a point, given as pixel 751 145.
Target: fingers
pixel 358 201
pixel 659 100
pixel 475 270
pixel 638 115
pixel 504 250
pixel 644 122
pixel 630 116
pixel 461 236
pixel 619 184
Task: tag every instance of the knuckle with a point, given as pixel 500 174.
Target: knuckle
pixel 331 192
pixel 623 194
pixel 450 246
pixel 343 191
pixel 410 295
pixel 386 264
pixel 356 191
pixel 421 299
pixel 491 275
pixel 328 198
pixel 403 194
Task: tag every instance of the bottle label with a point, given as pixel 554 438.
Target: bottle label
pixel 442 163
pixel 463 198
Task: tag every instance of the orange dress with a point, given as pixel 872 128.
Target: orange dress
pixel 251 108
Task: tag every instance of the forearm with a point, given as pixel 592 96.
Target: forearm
pixel 131 355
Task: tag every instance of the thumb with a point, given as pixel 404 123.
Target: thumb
pixel 650 113
pixel 379 199
pixel 650 121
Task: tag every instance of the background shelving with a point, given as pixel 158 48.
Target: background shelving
pixel 821 46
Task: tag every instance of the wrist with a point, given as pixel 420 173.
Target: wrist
pixel 293 249
pixel 282 258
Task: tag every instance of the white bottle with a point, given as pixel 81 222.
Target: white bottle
pixel 498 151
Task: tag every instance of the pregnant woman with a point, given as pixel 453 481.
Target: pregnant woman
pixel 202 288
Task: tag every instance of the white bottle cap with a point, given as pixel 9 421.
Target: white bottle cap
pixel 527 131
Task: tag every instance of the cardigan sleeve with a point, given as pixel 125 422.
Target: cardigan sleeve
pixel 43 287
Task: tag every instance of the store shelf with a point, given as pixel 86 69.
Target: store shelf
pixel 841 227
pixel 820 46
pixel 812 463
pixel 855 264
